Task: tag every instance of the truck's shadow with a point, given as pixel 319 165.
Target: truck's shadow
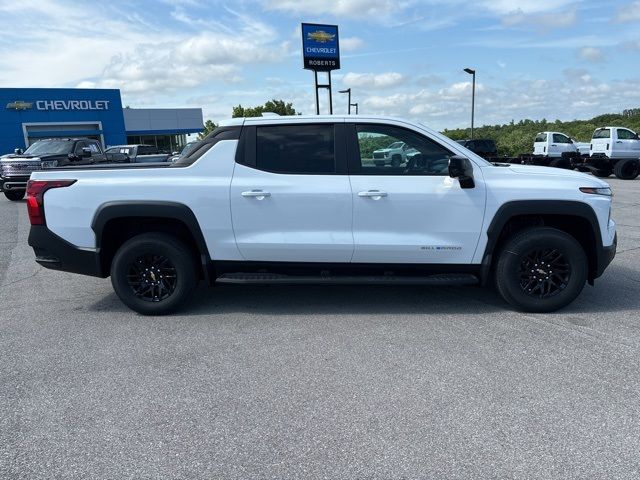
pixel 618 290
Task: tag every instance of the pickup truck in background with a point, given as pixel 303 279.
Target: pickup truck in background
pixel 15 169
pixel 485 147
pixel 614 150
pixel 555 149
pixel 395 154
pixel 282 200
pixel 139 153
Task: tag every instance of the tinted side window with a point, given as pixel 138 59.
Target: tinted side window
pixel 79 147
pixel 557 138
pixel 625 134
pixel 422 157
pixel 294 149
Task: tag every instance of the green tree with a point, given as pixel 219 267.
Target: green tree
pixel 209 127
pixel 273 106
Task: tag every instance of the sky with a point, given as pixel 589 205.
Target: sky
pixel 553 59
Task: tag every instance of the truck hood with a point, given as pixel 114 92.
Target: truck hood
pixel 557 172
pixel 383 150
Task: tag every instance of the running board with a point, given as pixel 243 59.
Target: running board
pixel 271 279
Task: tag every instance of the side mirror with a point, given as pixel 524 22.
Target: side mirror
pixel 86 152
pixel 462 169
pixel 18 151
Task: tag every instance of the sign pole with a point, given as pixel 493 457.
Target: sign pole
pixel 330 97
pixel 315 75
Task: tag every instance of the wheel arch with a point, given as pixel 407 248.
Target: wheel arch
pixel 575 218
pixel 116 222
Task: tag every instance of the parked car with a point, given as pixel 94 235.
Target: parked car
pixel 184 152
pixel 555 144
pixel 139 153
pixel 291 200
pixel 485 147
pixel 55 152
pixel 614 150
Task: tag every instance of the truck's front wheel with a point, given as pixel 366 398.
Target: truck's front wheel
pixel 541 270
pixel 153 273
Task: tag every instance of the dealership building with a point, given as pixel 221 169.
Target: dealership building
pixel 30 114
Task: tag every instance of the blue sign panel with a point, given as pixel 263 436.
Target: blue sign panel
pixel 27 114
pixel 320 47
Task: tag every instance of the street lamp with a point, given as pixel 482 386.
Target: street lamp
pixel 347 91
pixel 471 71
pixel 355 105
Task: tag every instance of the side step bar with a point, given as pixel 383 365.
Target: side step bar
pixel 277 279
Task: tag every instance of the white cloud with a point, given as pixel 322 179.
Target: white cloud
pixel 591 54
pixel 507 7
pixel 350 44
pixel 380 80
pixel 628 13
pixel 541 20
pixel 337 8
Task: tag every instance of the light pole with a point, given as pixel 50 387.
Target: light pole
pixel 347 91
pixel 355 105
pixel 470 71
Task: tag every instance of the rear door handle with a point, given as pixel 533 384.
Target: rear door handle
pixel 259 194
pixel 375 194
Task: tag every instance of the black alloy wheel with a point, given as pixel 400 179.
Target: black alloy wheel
pixel 544 273
pixel 152 278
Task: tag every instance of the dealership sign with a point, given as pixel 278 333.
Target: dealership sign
pixel 60 105
pixel 320 49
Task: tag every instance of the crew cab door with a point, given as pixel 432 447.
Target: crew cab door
pixel 290 194
pixel 413 213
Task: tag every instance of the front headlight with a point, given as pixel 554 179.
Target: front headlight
pixel 606 191
pixel 49 163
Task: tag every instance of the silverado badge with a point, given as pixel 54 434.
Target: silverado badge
pixel 20 105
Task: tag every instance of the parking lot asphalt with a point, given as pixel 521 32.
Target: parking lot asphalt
pixel 318 382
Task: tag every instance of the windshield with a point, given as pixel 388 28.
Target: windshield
pixel 396 145
pixel 541 137
pixel 49 147
pixel 602 133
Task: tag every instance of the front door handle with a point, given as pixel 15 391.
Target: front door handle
pixel 375 194
pixel 619 141
pixel 258 194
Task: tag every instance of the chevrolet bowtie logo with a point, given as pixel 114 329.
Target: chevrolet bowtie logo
pixel 20 105
pixel 320 36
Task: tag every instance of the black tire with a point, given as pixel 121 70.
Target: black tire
pixel 627 169
pixel 154 273
pixel 561 163
pixel 541 269
pixel 602 173
pixel 14 195
pixel 396 160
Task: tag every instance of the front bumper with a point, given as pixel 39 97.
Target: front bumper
pixel 57 254
pixel 13 183
pixel 606 256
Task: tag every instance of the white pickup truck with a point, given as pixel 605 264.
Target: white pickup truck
pixel 614 150
pixel 293 200
pixel 555 149
pixel 615 142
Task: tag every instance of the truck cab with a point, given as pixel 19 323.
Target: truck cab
pixel 615 142
pixel 553 144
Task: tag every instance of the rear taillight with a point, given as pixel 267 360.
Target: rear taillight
pixel 35 197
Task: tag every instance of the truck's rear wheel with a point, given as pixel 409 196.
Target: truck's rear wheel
pixel 600 172
pixel 14 195
pixel 541 270
pixel 627 169
pixel 396 160
pixel 153 273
